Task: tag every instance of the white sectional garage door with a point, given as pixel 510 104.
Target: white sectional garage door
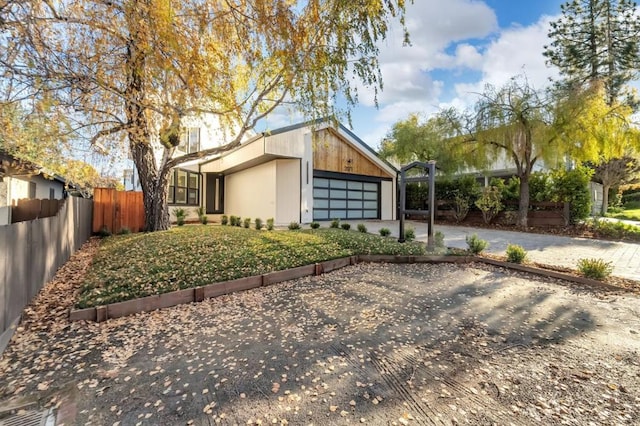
pixel 345 199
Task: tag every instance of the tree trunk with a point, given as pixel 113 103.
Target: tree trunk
pixel 154 182
pixel 523 207
pixel 605 198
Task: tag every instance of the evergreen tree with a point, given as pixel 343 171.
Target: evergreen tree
pixel 597 40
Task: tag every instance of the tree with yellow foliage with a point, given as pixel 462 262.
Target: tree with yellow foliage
pixel 128 71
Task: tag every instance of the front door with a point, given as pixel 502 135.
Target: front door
pixel 215 194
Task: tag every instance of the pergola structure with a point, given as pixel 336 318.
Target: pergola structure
pixel 429 172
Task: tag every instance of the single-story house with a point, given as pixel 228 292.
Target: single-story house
pixel 24 180
pixel 307 172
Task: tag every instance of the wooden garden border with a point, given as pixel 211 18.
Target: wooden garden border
pixel 198 294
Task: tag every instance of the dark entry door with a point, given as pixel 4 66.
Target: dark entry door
pixel 215 194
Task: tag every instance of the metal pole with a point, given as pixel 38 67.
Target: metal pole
pixel 432 204
pixel 403 196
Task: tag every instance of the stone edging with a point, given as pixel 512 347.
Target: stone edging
pixel 198 294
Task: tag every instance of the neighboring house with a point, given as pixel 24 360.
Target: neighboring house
pixel 21 179
pixel 300 173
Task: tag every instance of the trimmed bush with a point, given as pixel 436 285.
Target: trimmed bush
pixel 104 232
pixel 224 220
pixel 515 253
pixel 270 224
pixel 314 225
pixel 438 239
pixel 124 231
pixel 247 222
pixel 362 228
pixel 597 269
pixel 180 215
pixel 345 226
pixel 335 223
pixel 476 244
pixel 204 219
pixel 294 226
pixel 409 234
pixel 385 232
pixel 490 203
pixel 258 223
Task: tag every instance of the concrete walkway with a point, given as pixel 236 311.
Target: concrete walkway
pixel 542 248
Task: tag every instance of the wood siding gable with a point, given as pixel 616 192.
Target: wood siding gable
pixel 332 153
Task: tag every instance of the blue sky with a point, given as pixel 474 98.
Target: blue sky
pixel 457 47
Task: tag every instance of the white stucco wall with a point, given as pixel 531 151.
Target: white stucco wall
pixel 18 188
pixel 387 200
pixel 252 192
pixel 287 191
pixel 306 180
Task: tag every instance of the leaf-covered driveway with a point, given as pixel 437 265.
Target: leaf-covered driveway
pixel 372 344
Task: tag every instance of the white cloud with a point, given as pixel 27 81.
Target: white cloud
pixel 516 51
pixel 498 57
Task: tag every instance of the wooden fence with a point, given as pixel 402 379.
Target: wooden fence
pixel 31 253
pixel 116 210
pixel 30 209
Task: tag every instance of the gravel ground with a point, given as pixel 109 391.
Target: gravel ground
pixel 371 344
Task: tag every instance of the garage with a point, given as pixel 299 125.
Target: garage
pixel 346 197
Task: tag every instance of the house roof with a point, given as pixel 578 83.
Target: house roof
pixel 14 166
pixel 341 128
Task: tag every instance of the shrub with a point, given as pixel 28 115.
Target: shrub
pixel 232 220
pixel 595 268
pixel 180 215
pixel 573 187
pixel 258 223
pixel 247 222
pixel 345 226
pixel 476 244
pixel 515 253
pixel 204 219
pixel 335 223
pixel 490 203
pixel 438 239
pixel 200 211
pixel 238 221
pixel 510 189
pixel 409 234
pixel 385 232
pixel 225 219
pixel 270 224
pixel 362 228
pixel 616 230
pixel 294 226
pixel 460 207
pixel 104 232
pixel 314 225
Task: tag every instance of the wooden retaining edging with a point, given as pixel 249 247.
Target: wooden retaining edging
pixel 198 294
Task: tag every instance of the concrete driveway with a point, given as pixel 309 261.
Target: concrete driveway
pixel 542 248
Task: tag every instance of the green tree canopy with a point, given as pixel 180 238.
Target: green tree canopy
pixel 415 139
pixel 597 40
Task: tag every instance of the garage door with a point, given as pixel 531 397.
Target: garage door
pixel 345 199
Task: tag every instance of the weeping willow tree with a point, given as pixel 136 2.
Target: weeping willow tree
pixel 514 123
pixel 126 72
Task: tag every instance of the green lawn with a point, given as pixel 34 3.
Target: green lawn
pixel 629 214
pixel 137 265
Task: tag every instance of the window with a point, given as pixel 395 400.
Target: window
pixel 184 188
pixel 32 190
pixel 190 140
pixel 52 194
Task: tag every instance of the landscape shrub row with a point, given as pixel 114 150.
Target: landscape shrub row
pixel 465 193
